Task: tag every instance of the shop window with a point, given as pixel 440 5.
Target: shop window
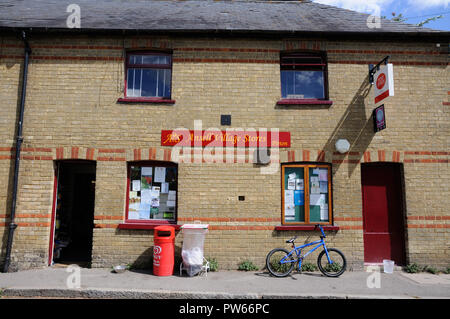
pixel 304 76
pixel 152 192
pixel 148 75
pixel 306 194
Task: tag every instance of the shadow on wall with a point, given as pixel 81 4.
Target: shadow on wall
pixel 355 127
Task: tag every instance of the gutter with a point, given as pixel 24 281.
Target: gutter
pixel 19 140
pixel 377 36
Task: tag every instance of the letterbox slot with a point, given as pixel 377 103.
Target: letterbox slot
pixel 162 233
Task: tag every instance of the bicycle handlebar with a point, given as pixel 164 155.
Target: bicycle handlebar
pixel 321 229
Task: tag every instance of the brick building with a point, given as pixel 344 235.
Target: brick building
pixel 101 161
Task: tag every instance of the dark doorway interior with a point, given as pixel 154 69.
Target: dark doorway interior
pixel 74 213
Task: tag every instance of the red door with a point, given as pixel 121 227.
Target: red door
pixel 383 220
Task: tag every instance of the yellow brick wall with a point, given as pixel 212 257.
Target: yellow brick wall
pixel 72 112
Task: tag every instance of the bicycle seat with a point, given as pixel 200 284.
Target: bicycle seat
pixel 291 241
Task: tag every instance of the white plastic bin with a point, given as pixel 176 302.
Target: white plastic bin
pixel 192 250
pixel 388 266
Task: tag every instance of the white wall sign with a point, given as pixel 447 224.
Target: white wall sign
pixel 384 82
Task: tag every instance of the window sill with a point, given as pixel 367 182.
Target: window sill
pixel 304 227
pixel 145 100
pixel 131 225
pixel 304 102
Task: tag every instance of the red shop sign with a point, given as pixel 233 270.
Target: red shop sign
pixel 230 138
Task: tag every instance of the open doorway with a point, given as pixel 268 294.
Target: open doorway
pixel 73 217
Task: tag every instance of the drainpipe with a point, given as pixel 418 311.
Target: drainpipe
pixel 19 140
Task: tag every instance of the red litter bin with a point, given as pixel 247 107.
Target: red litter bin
pixel 163 250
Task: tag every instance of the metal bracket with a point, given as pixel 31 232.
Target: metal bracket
pixel 373 69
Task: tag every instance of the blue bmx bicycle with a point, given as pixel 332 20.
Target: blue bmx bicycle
pixel 331 262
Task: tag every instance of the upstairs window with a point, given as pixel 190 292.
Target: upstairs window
pixel 304 76
pixel 148 75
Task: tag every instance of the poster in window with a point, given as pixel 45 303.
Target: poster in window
pixel 146 182
pixel 155 202
pixel 299 197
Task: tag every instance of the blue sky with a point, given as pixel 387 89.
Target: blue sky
pixel 415 10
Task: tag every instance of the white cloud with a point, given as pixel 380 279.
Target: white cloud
pixel 429 3
pixel 367 6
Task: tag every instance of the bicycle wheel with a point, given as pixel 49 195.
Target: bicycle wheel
pixel 337 265
pixel 274 265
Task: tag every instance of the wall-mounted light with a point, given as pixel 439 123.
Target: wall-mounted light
pixel 342 146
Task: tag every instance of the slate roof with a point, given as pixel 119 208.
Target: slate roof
pixel 198 16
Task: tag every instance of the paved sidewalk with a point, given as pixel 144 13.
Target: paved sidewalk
pixel 102 283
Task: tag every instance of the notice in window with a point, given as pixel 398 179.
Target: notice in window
pixel 146 196
pixel 146 171
pixel 316 199
pixel 164 188
pixel 289 211
pixel 323 187
pixel 172 195
pixel 170 203
pixel 315 186
pixel 324 212
pixel 160 174
pixel 323 175
pixel 291 183
pixel 136 185
pixel 289 197
pixel 133 214
pixel 144 210
pixel 299 185
pixel 155 202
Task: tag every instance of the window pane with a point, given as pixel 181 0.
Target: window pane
pixel 294 194
pixel 152 193
pixel 156 83
pixel 318 195
pixel 134 80
pixel 289 60
pixel 148 82
pixel 149 59
pixel 302 84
